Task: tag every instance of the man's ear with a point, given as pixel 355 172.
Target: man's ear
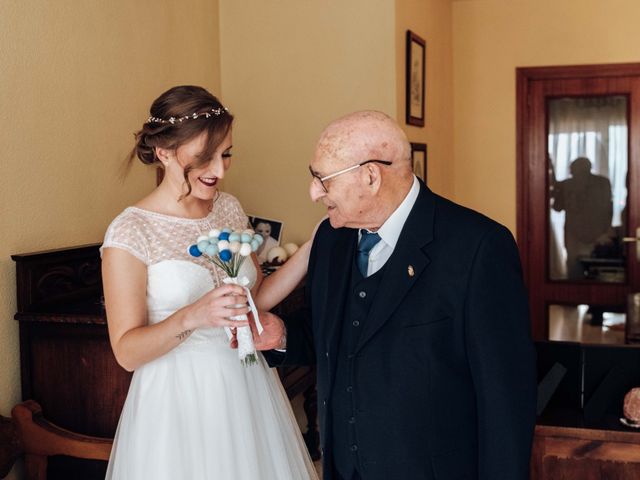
pixel 374 177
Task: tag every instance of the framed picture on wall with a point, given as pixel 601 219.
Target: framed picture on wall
pixel 419 160
pixel 415 78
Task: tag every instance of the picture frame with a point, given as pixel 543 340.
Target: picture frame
pixel 271 231
pixel 416 48
pixel 419 160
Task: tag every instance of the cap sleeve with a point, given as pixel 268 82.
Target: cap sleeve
pixel 126 233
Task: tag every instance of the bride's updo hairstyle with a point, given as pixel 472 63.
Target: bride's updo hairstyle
pixel 177 116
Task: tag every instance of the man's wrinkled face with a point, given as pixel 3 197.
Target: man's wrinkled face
pixel 344 195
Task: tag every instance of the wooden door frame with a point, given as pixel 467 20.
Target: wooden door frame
pixel 524 141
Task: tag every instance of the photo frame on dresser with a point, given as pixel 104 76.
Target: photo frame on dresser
pixel 419 160
pixel 415 79
pixel 271 231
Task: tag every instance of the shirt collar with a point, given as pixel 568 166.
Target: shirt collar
pixel 390 230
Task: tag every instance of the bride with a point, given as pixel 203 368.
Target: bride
pixel 193 411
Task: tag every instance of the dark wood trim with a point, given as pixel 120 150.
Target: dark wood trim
pixel 25 364
pixel 579 71
pixel 522 186
pixel 589 434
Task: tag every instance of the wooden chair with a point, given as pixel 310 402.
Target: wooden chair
pixel 28 434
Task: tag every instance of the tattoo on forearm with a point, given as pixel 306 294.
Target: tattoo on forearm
pixel 183 335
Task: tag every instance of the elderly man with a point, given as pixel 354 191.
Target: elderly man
pixel 419 321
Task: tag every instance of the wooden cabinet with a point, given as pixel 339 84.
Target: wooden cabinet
pixel 66 361
pixel 580 395
pixel 585 454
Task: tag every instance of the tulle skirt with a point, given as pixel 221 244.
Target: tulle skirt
pixel 197 413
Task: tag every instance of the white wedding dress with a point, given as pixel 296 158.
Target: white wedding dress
pixel 196 412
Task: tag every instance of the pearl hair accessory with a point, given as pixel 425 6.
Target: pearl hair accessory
pixel 173 120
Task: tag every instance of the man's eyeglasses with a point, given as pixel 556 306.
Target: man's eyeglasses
pixel 321 180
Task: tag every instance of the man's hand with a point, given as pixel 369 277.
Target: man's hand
pixel 273 334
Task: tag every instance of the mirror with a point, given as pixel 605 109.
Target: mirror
pixel 587 153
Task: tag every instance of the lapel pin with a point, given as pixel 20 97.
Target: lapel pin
pixel 411 271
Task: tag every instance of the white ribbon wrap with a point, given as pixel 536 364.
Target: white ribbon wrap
pixel 246 349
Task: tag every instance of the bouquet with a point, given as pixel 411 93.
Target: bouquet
pixel 228 249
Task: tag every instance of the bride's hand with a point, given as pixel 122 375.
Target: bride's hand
pixel 215 308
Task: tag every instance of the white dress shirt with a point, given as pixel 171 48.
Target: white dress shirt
pixel 390 231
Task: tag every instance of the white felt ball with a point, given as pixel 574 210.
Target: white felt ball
pixel 245 249
pixel 234 247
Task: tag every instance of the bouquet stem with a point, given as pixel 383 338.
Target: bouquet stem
pixel 246 349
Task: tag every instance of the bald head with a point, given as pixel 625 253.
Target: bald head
pixel 361 136
pixel 364 166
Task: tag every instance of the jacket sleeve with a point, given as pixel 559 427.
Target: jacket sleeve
pixel 501 357
pixel 300 346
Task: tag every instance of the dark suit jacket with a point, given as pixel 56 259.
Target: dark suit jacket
pixel 444 372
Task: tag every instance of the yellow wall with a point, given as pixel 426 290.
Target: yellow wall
pixel 76 81
pixel 288 69
pixel 77 78
pixel 431 20
pixel 493 37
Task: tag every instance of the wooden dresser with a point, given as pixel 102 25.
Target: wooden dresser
pixel 66 362
pixel 578 435
pixel 585 454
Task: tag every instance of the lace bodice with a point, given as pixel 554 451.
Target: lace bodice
pixel 153 237
pixel 175 278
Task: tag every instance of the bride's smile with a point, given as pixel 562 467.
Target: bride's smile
pixel 208 181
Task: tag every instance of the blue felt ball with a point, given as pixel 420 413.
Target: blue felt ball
pixel 225 255
pixel 259 238
pixel 194 252
pixel 211 250
pixel 254 245
pixel 224 236
pixel 202 245
pixel 245 238
pixel 234 237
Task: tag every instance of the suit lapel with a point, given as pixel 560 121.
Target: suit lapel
pixel 405 265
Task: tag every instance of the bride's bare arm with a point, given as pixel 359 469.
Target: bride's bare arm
pixel 133 340
pixel 281 283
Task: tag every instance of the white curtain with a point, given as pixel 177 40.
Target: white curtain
pixel 592 127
